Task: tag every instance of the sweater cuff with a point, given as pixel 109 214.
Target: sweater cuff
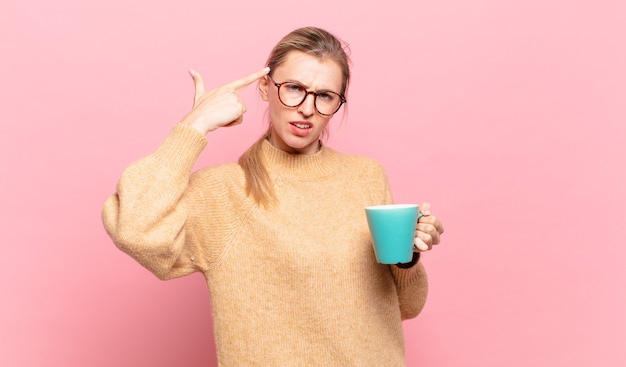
pixel 410 264
pixel 182 147
pixel 406 277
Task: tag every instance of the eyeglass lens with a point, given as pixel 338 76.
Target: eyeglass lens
pixel 293 94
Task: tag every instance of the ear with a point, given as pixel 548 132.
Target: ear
pixel 264 86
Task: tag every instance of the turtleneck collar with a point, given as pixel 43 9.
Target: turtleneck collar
pixel 300 166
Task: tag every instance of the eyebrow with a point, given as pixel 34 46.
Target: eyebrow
pixel 307 87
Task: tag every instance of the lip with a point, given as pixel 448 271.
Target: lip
pixel 300 131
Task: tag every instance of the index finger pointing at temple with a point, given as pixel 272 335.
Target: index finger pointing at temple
pixel 249 79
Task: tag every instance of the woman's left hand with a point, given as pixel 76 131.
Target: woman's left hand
pixel 429 229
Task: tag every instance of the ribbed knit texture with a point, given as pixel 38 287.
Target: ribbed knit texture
pixel 293 285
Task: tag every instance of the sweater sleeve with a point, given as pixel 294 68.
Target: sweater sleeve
pixel 412 286
pixel 146 216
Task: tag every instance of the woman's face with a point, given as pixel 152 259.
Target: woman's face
pixel 297 129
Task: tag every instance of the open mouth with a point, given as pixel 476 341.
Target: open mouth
pixel 302 125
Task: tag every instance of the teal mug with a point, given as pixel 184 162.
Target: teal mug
pixel 392 228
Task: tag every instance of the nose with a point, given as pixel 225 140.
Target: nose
pixel 307 107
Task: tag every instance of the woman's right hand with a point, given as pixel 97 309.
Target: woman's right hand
pixel 221 106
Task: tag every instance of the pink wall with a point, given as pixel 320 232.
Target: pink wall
pixel 508 115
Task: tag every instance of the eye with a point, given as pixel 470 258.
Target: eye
pixel 327 96
pixel 293 88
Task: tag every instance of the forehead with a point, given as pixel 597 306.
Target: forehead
pixel 312 71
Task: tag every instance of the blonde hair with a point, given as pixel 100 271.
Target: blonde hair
pixel 310 40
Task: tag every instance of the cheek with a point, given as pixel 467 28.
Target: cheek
pixel 275 109
pixel 323 123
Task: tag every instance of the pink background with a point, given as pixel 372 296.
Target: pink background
pixel 508 115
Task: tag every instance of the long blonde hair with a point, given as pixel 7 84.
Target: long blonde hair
pixel 313 41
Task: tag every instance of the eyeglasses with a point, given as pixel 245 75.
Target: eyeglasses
pixel 292 94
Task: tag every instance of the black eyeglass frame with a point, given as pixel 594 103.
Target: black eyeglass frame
pixel 315 94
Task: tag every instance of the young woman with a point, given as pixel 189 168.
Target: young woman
pixel 281 237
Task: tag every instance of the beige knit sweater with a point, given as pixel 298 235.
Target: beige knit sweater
pixel 293 285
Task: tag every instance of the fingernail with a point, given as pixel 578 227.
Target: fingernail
pixel 266 69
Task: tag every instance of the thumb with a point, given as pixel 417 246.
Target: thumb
pixel 198 83
pixel 425 209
